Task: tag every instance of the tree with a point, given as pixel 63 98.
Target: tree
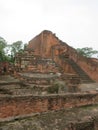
pixel 3 45
pixel 16 47
pixel 7 52
pixel 87 51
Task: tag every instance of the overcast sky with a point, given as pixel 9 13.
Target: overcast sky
pixel 74 21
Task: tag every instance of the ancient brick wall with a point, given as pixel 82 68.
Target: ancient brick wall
pixel 68 119
pixel 90 67
pixel 64 65
pixel 44 43
pixel 20 105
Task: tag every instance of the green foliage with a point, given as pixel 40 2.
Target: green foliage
pixel 25 45
pixel 53 89
pixel 87 51
pixel 3 44
pixel 16 47
pixel 7 52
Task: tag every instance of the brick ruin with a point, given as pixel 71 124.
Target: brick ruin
pixel 46 53
pixel 52 88
pixel 21 105
pixel 47 56
pixel 22 108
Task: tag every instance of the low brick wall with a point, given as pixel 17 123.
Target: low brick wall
pixel 61 120
pixel 20 105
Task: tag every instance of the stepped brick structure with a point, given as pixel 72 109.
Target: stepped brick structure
pixel 21 108
pixel 53 88
pixel 47 53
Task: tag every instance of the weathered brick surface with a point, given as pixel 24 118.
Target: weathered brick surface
pixel 85 118
pixel 52 47
pixel 20 105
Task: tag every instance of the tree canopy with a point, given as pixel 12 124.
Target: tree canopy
pixel 3 44
pixel 16 47
pixel 8 51
pixel 87 51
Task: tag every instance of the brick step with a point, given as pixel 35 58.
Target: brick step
pixel 82 74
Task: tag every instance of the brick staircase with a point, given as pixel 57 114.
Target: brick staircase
pixel 82 74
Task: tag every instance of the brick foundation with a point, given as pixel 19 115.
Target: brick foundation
pixel 20 105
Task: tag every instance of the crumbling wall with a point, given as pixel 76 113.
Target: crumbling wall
pixel 43 45
pixel 68 119
pixel 20 105
pixel 89 65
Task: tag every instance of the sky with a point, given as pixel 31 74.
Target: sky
pixel 73 21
